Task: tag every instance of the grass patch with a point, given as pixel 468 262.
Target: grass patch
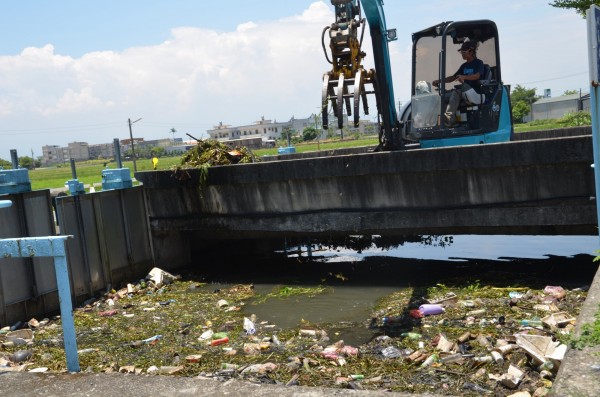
pixel 575 119
pixel 90 172
pixel 324 145
pixel 283 292
pixel 590 334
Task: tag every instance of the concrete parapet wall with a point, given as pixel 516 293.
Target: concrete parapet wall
pixel 465 188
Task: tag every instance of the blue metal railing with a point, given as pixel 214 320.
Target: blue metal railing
pixel 55 247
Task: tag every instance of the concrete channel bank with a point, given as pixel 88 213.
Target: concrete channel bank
pixel 578 376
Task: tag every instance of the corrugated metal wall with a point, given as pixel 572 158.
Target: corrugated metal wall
pixel 111 245
pixel 27 285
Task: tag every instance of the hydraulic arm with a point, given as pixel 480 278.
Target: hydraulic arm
pixel 348 81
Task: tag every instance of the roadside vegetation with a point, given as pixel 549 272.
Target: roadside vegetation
pixel 576 119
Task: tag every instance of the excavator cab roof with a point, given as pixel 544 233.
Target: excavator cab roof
pixel 478 30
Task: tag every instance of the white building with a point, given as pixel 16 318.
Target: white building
pixel 557 107
pixel 52 154
pixel 267 130
pixel 263 129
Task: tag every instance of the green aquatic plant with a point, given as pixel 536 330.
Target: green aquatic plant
pixel 283 292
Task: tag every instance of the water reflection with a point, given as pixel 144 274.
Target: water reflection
pixel 462 247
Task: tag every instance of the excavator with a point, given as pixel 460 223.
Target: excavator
pixel 420 122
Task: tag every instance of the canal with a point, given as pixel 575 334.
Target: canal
pixel 352 282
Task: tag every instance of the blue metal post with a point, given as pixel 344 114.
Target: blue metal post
pixel 595 143
pixel 593 28
pixel 53 246
pixel 66 311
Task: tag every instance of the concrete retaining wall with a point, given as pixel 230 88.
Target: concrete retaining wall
pixel 540 186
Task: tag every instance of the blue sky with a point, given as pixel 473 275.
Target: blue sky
pixel 77 70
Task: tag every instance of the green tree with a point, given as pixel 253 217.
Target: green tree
pixel 520 110
pixel 521 99
pixel 26 162
pixel 291 134
pixel 5 164
pixel 157 151
pixel 570 92
pixel 309 134
pixel 580 6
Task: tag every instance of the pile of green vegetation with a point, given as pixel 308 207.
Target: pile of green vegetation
pixel 212 152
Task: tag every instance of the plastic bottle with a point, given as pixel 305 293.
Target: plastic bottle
pixel 152 339
pixel 391 352
pixel 546 365
pixel 249 326
pixel 391 321
pixel 464 337
pixel 430 360
pixel 451 358
pixel 497 357
pixel 206 335
pixel 475 313
pixel 534 322
pixel 431 309
pixel 217 342
pixel 411 335
pixel 506 348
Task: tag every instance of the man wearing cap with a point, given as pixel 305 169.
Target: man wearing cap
pixel 468 74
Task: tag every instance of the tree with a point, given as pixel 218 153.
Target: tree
pixel 580 6
pixel 5 164
pixel 570 92
pixel 158 151
pixel 520 110
pixel 309 134
pixel 290 136
pixel 521 99
pixel 26 162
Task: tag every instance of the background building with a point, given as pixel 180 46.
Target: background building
pixel 52 154
pixel 557 107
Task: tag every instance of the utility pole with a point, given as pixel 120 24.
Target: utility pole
pixel 132 146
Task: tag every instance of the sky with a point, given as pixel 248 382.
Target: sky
pixel 77 70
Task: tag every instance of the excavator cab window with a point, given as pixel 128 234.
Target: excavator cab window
pixel 435 57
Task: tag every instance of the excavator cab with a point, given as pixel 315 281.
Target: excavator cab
pixel 435 57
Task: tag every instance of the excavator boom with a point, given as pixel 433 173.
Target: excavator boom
pixel 348 82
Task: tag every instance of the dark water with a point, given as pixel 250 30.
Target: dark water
pixel 464 247
pixel 355 281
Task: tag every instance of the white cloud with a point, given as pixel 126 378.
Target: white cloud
pixel 200 77
pixel 197 75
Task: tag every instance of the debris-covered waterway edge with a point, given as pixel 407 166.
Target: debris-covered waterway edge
pixel 489 333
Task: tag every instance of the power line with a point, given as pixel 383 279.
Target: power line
pixel 54 130
pixel 554 78
pixel 94 127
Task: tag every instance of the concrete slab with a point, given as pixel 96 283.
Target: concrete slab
pixel 118 385
pixel 579 373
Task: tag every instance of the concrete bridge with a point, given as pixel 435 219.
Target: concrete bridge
pixel 538 186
